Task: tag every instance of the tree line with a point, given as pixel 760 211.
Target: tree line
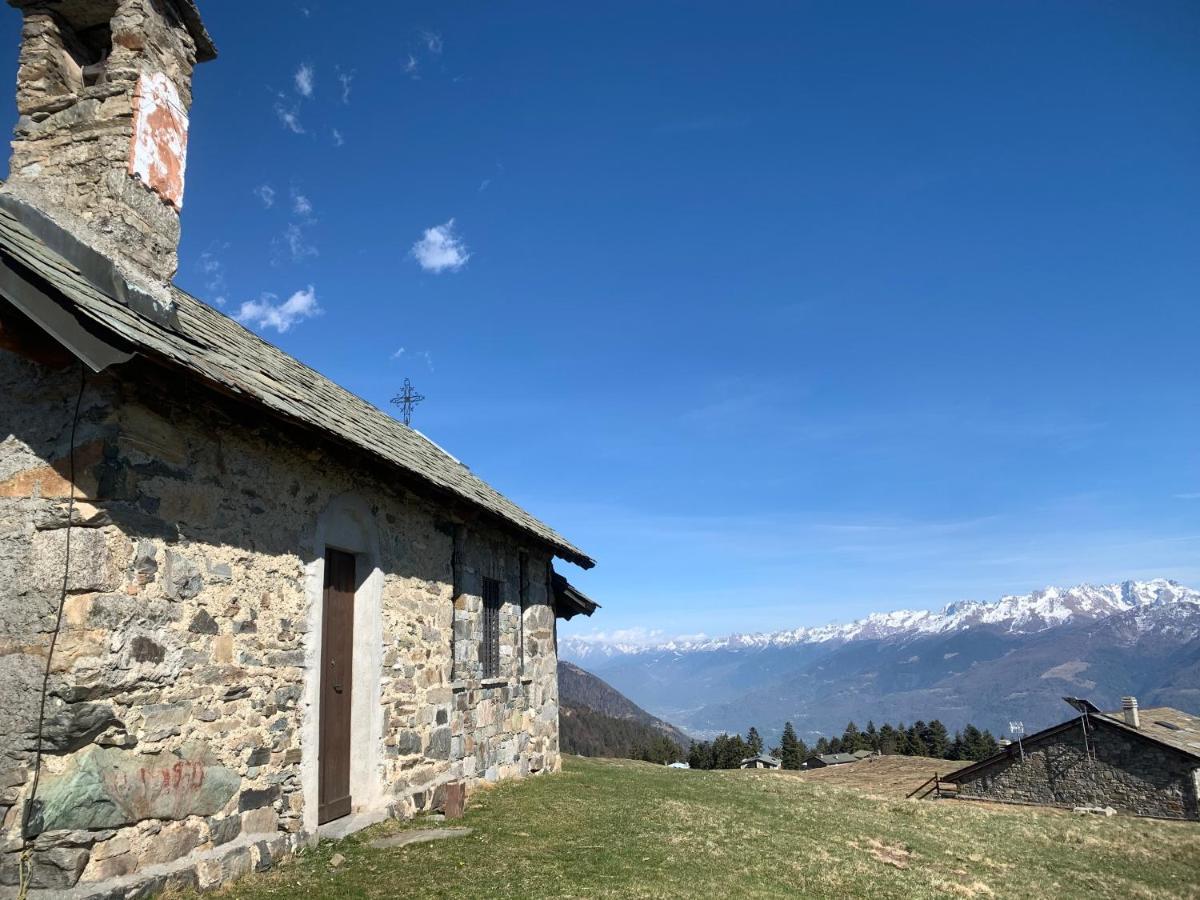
pixel 919 739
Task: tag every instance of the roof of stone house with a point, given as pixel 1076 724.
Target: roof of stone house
pixel 1160 724
pixel 569 601
pixel 1165 725
pixel 215 349
pixel 836 759
pixel 763 758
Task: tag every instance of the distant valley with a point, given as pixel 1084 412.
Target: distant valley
pixel 987 663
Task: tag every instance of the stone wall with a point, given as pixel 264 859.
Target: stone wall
pixel 74 140
pixel 1128 773
pixel 181 723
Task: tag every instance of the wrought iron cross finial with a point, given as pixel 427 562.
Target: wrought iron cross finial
pixel 407 400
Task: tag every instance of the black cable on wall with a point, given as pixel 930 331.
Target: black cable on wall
pixel 29 808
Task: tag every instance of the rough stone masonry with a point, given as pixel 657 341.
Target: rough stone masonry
pixel 184 714
pixel 181 702
pixel 1113 768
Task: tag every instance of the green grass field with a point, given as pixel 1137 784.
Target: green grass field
pixel 609 828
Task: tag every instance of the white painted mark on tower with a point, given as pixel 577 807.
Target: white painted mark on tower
pixel 160 135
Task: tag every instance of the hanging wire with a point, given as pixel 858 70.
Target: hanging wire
pixel 26 867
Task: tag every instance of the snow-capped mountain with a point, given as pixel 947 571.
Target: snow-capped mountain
pixel 1014 614
pixel 985 663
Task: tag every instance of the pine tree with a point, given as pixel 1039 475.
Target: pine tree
pixel 872 736
pixel 851 739
pixel 916 739
pixel 789 748
pixel 937 740
pixel 701 756
pixel 988 745
pixel 754 742
pixel 887 740
pixel 822 746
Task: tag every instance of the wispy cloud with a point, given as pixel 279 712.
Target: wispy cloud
pixel 412 68
pixel 289 115
pixel 301 205
pixel 266 194
pixel 1194 495
pixel 440 249
pixel 338 139
pixel 305 79
pixel 212 266
pixel 346 79
pixel 423 355
pixel 297 244
pixel 267 312
pixel 433 42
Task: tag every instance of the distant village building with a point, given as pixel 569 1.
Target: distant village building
pixel 1145 762
pixel 274 609
pixel 821 761
pixel 678 765
pixel 762 762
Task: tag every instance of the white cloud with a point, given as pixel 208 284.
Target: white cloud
pixel 301 205
pixel 266 194
pixel 338 139
pixel 347 82
pixel 483 185
pixel 423 355
pixel 289 117
pixel 213 268
pixel 266 312
pixel 412 67
pixel 433 42
pixel 441 250
pixel 305 80
pixel 297 243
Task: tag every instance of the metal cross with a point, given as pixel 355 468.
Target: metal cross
pixel 407 400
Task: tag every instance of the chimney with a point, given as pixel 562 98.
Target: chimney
pixel 1130 707
pixel 103 90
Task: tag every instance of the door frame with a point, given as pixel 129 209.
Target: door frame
pixel 331 810
pixel 347 524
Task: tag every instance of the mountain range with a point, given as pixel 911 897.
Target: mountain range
pixel 984 663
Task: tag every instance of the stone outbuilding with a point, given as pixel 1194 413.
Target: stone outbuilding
pixel 824 760
pixel 1144 762
pixel 761 762
pixel 239 606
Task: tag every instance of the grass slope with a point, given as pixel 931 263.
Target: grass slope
pixel 614 828
pixel 882 776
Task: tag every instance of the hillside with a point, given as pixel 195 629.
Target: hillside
pixel 587 702
pixel 616 829
pixel 597 720
pixel 971 662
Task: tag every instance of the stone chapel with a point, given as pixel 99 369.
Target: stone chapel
pixel 239 606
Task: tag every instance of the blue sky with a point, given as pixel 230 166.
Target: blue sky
pixel 787 312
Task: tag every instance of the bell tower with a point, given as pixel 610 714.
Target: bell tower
pixel 104 89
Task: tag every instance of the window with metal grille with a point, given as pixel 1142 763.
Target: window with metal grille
pixel 523 564
pixel 489 651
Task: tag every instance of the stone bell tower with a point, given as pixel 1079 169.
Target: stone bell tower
pixel 103 91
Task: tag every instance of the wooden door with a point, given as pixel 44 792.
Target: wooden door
pixel 337 676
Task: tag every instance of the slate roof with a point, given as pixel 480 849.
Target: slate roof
pixel 1165 725
pixel 569 601
pixel 217 350
pixel 836 759
pixel 770 761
